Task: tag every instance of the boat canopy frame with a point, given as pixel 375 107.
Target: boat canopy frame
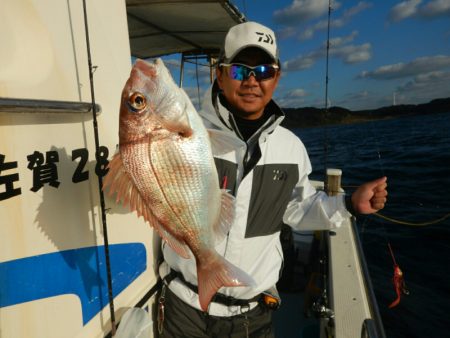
pixel 157 28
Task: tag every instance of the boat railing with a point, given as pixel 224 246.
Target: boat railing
pixel 371 328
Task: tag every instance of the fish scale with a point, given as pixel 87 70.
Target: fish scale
pixel 182 191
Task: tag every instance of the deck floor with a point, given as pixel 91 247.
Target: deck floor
pixel 290 320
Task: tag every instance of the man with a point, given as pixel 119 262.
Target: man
pixel 267 171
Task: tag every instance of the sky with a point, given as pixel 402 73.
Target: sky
pixel 381 52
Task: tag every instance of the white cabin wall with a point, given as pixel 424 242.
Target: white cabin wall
pixel 43 56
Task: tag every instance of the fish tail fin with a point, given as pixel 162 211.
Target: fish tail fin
pixel 395 302
pixel 216 274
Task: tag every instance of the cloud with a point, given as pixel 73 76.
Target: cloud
pixel 339 41
pixel 425 87
pixel 296 93
pixel 352 53
pixel 195 95
pixel 300 11
pixel 286 33
pixel 361 95
pixel 340 48
pixel 404 10
pixel 300 62
pixel 293 18
pixel 401 70
pixel 308 32
pixel 172 63
pixel 412 8
pixel 435 8
pixel 292 98
pixel 362 5
pixel 359 100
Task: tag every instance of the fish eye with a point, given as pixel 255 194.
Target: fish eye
pixel 137 101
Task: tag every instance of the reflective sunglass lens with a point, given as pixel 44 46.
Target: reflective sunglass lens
pixel 265 72
pixel 238 72
pixel 242 72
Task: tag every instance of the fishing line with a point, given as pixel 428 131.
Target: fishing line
pixel 393 220
pixel 398 221
pixel 198 82
pixel 377 146
pixel 99 176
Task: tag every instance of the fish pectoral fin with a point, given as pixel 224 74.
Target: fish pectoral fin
pixel 180 248
pixel 119 182
pixel 226 217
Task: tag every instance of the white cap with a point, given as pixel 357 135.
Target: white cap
pixel 249 34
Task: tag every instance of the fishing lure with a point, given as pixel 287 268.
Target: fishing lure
pixel 398 281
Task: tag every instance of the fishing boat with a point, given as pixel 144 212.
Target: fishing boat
pixel 72 261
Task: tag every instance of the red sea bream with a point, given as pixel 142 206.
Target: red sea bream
pixel 165 171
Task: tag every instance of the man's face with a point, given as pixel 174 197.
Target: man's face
pixel 248 97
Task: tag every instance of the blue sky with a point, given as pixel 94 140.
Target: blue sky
pixel 378 50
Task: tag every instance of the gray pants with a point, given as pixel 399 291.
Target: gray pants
pixel 182 320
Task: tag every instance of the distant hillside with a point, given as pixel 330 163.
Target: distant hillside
pixel 313 117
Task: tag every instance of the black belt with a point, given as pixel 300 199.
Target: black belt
pixel 217 298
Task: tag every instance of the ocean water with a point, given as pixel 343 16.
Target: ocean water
pixel 414 153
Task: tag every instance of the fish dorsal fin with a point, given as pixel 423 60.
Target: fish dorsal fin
pixel 119 182
pixel 223 142
pixel 226 217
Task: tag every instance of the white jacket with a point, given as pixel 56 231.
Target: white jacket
pixel 275 190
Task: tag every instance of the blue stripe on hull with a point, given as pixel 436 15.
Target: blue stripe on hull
pixel 79 271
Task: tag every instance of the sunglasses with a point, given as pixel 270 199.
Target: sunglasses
pixel 242 72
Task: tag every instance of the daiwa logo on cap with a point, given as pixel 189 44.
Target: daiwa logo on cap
pixel 264 37
pixel 249 34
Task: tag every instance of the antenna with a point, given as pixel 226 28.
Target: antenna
pixel 327 58
pixel 325 162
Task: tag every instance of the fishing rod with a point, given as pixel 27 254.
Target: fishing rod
pixel 321 306
pixel 99 176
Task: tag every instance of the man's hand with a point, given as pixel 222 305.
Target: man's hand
pixel 370 197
